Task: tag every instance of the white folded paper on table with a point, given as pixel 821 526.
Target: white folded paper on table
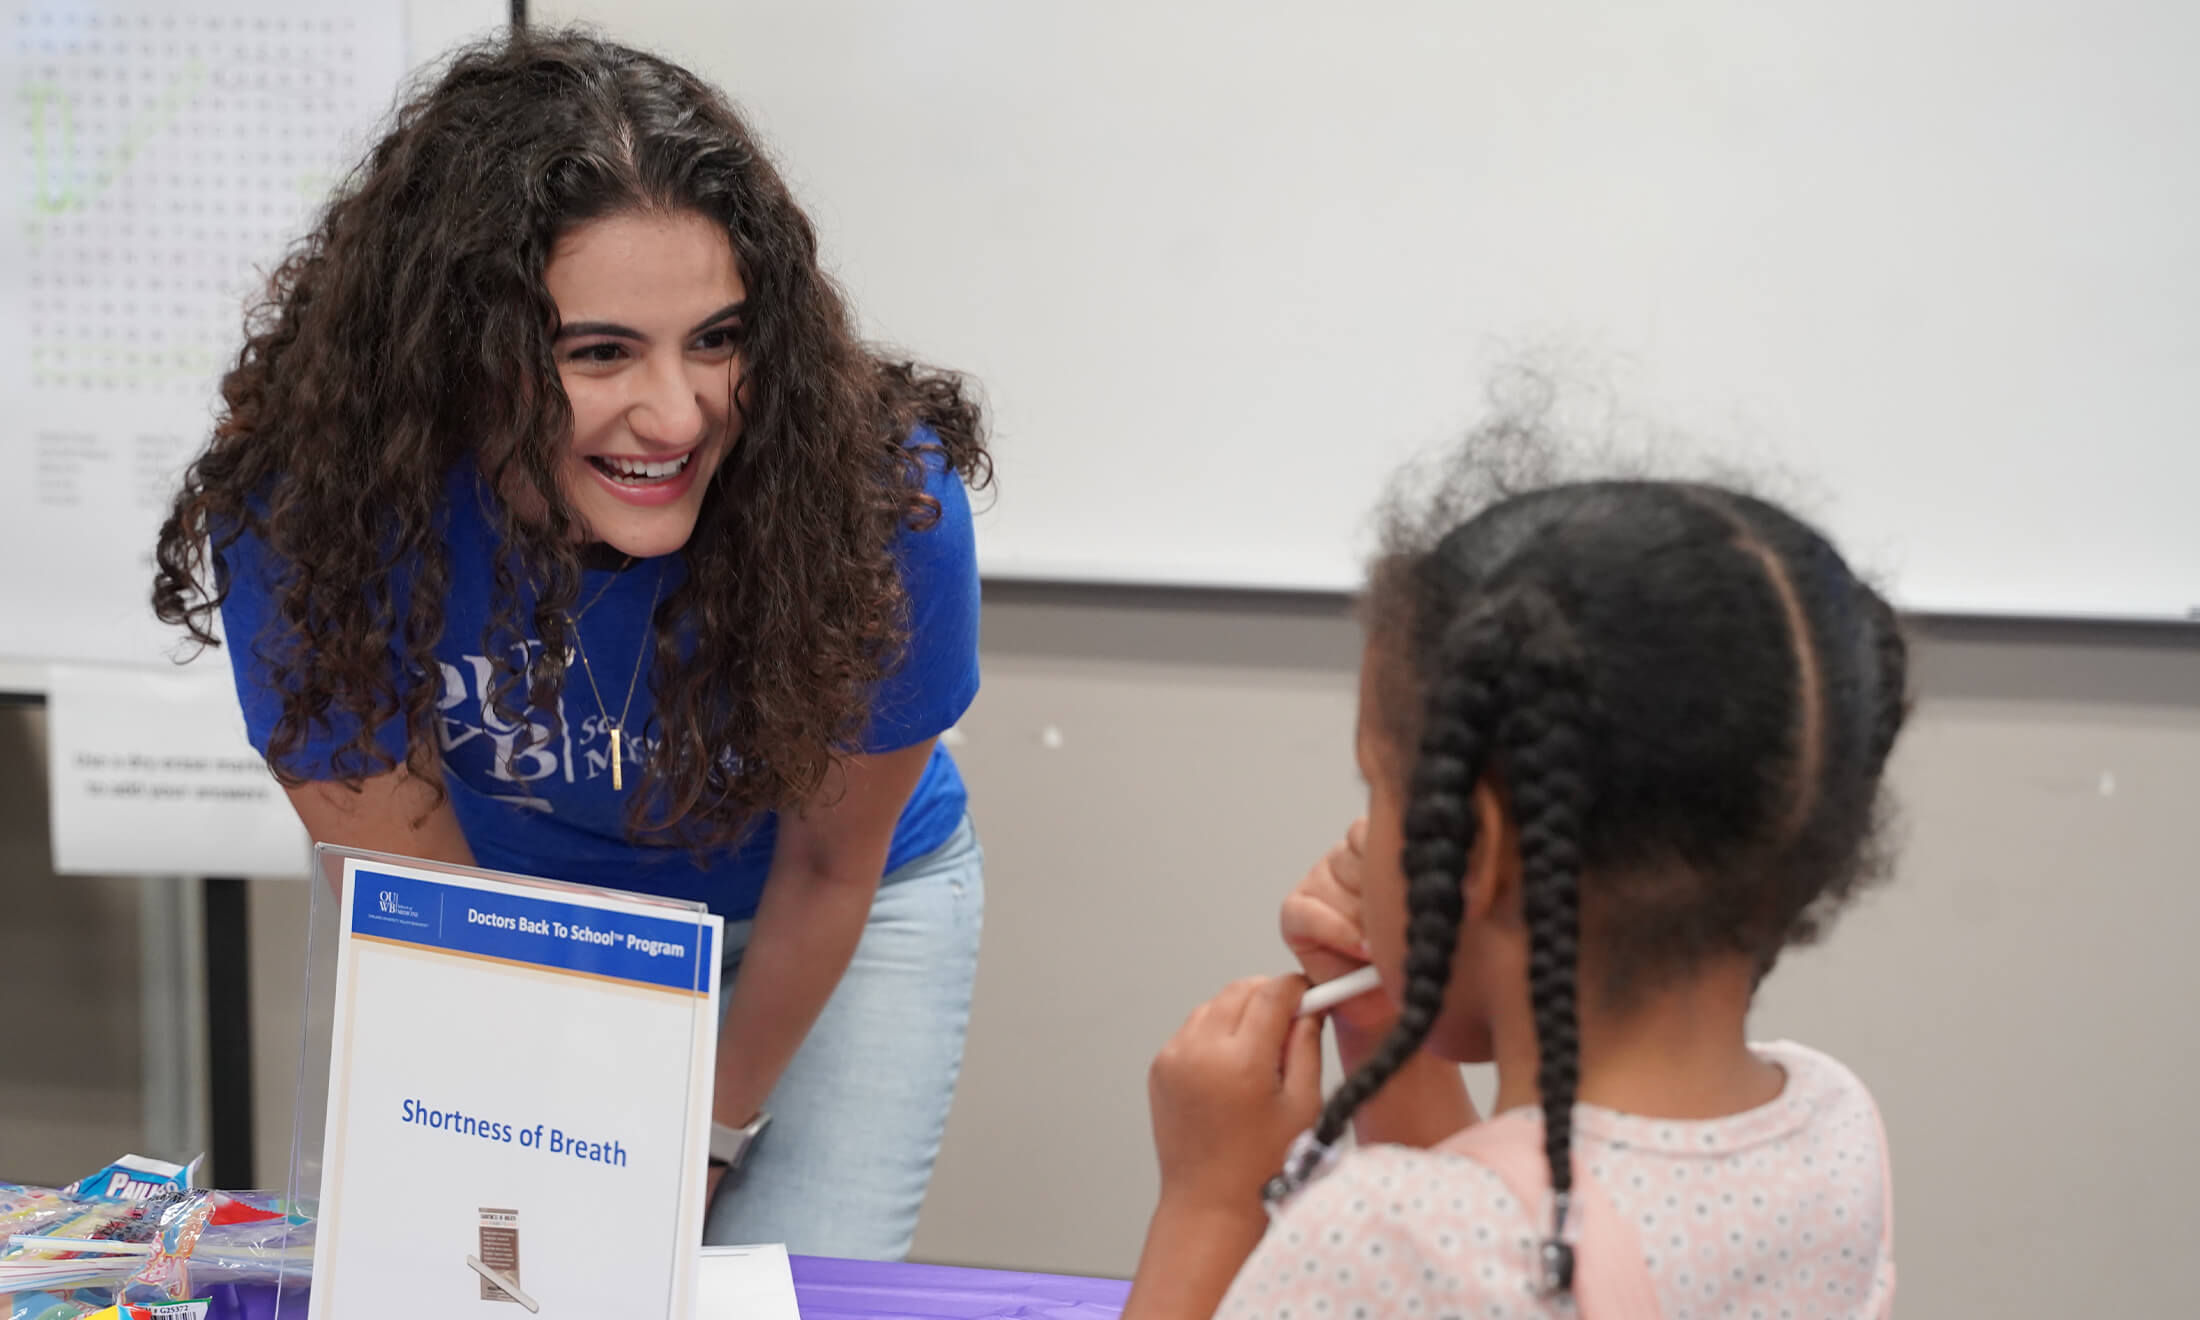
pixel 752 1283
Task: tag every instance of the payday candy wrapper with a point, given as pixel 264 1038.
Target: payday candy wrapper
pixel 134 1178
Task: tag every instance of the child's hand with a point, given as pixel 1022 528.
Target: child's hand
pixel 1231 1090
pixel 1322 928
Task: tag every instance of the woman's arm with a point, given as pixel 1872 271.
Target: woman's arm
pixel 825 869
pixel 393 812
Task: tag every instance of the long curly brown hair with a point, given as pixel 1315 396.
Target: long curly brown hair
pixel 410 331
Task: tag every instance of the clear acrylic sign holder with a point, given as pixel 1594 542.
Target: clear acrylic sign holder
pixel 309 1149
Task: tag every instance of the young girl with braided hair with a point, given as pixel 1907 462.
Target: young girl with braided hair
pixel 1623 742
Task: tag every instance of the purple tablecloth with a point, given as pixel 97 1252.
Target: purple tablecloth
pixel 875 1290
pixel 858 1290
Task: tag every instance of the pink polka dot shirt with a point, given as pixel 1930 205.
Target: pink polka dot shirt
pixel 1780 1213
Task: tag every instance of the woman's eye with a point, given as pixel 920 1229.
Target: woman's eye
pixel 597 353
pixel 724 339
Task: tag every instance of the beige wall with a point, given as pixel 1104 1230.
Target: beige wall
pixel 2015 997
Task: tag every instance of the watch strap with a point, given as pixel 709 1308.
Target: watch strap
pixel 730 1146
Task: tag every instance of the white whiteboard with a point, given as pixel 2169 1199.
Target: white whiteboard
pixel 161 155
pixel 1222 265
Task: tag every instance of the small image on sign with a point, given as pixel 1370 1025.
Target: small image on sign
pixel 397 905
pixel 498 1263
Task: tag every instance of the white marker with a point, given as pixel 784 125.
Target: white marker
pixel 1329 994
pixel 510 1288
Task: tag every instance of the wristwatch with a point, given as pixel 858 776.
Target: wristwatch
pixel 729 1146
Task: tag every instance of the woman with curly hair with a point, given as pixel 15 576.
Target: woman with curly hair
pixel 559 523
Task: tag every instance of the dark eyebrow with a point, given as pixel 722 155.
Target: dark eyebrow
pixel 576 329
pixel 727 312
pixel 611 330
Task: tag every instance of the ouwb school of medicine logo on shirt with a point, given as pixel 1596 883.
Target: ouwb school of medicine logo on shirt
pixel 536 749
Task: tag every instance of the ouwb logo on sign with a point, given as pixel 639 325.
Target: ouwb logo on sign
pixel 390 906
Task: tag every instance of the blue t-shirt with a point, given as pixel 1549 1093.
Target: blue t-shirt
pixel 549 810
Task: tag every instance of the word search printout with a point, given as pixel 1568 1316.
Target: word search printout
pixel 161 156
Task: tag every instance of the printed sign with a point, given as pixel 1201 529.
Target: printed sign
pixel 519 1099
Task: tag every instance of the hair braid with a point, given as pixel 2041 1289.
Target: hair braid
pixel 1458 723
pixel 1543 743
pixel 1440 827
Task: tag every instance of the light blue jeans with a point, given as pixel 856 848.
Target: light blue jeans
pixel 857 1117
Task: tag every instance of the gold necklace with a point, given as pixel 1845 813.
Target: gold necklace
pixel 618 726
pixel 601 591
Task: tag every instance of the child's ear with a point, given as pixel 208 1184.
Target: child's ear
pixel 1493 871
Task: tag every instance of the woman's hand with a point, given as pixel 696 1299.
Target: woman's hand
pixel 1322 928
pixel 1231 1090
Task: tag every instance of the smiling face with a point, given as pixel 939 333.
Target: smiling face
pixel 648 351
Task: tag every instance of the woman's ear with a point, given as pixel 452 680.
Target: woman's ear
pixel 1493 870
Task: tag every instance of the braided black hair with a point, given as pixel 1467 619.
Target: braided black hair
pixel 1688 697
pixel 1440 829
pixel 1542 735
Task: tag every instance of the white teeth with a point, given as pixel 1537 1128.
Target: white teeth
pixel 634 469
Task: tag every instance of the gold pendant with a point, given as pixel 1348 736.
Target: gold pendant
pixel 618 780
